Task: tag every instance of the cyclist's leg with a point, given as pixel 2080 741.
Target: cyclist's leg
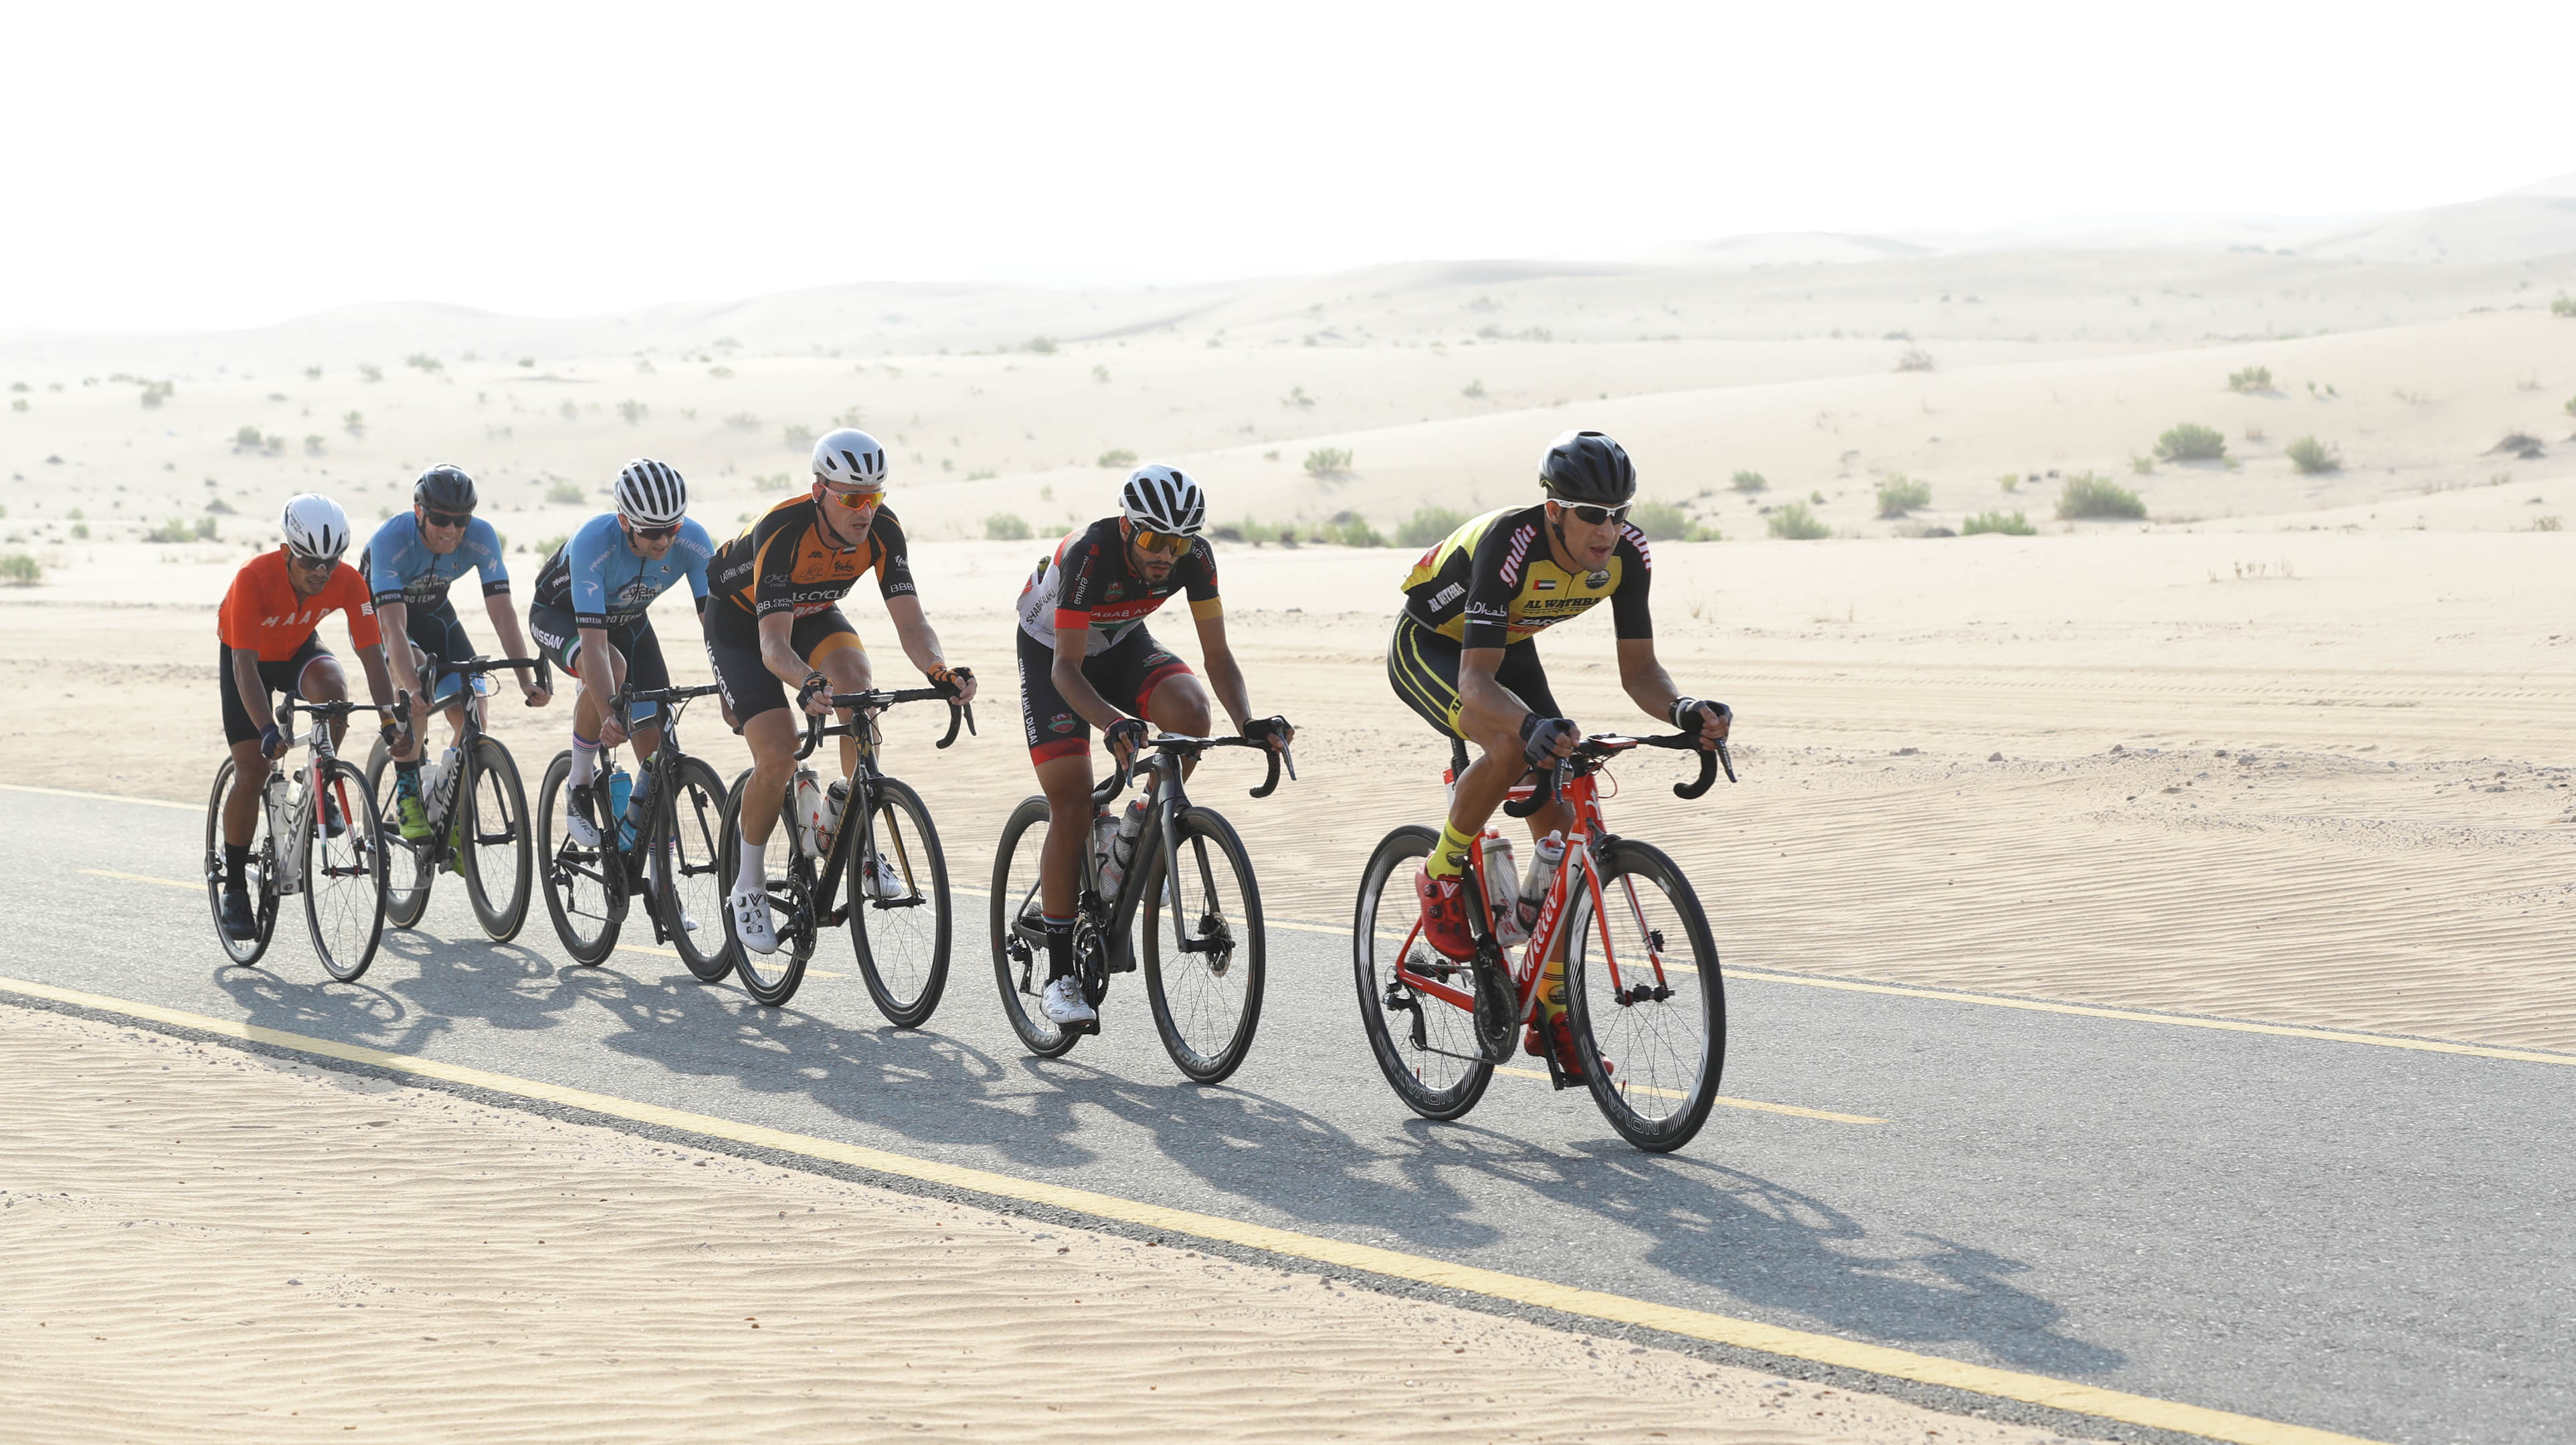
pixel 831 646
pixel 1060 749
pixel 558 640
pixel 636 654
pixel 440 636
pixel 250 770
pixel 320 678
pixel 769 725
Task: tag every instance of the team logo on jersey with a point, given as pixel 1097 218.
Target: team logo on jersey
pixel 1447 595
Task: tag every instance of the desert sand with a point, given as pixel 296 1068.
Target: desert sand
pixel 2291 747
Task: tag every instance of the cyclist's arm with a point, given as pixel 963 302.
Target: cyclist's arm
pixel 253 692
pixel 778 648
pixel 1225 675
pixel 514 643
pixel 920 643
pixel 1486 708
pixel 380 682
pixel 1072 686
pixel 393 619
pixel 1650 687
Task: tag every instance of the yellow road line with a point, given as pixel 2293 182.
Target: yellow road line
pixel 2338 1036
pixel 1746 1334
pixel 104 798
pixel 1721 1099
pixel 145 878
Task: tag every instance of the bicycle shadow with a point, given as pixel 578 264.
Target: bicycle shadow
pixel 357 1012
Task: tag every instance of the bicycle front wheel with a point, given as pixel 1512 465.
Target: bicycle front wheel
pixel 1648 1006
pixel 1204 955
pixel 408 870
pixel 257 879
pixel 493 846
pixel 344 875
pixel 1425 1044
pixel 901 938
pixel 585 887
pixel 689 880
pixel 774 977
pixel 1019 936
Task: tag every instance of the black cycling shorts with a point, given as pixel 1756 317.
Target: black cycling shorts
pixel 286 677
pixel 559 641
pixel 437 632
pixel 1125 675
pixel 1422 667
pixel 733 651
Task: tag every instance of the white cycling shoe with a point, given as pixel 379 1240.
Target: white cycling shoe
pixel 751 920
pixel 1063 1006
pixel 882 879
pixel 577 824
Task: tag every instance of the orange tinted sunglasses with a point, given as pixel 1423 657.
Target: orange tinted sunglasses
pixel 1153 541
pixel 856 501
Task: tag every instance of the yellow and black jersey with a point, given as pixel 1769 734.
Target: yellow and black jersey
pixel 1493 582
pixel 784 562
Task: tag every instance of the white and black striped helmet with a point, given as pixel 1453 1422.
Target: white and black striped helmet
pixel 314 525
pixel 651 494
pixel 1164 499
pixel 850 458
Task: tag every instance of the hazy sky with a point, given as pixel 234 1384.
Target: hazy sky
pixel 203 165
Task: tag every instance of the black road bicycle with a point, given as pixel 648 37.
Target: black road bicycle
pixel 670 861
pixel 478 816
pixel 881 856
pixel 316 835
pixel 1203 946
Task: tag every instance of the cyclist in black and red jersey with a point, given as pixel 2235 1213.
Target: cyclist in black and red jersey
pixel 1087 661
pixel 776 619
pixel 1463 658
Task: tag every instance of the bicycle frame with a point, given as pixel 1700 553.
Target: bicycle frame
pixel 861 729
pixel 292 818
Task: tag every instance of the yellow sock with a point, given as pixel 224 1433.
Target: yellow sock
pixel 1449 856
pixel 1551 989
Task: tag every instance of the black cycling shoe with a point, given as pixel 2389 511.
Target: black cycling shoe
pixel 332 827
pixel 240 925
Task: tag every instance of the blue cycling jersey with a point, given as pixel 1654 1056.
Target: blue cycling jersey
pixel 401 568
pixel 604 581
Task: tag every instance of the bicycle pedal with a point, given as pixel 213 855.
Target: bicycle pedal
pixel 1127 967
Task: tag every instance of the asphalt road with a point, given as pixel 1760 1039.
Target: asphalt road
pixel 2355 1238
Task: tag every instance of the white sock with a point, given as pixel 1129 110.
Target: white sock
pixel 754 874
pixel 585 759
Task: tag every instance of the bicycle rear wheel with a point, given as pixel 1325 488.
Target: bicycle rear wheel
pixel 585 887
pixel 772 978
pixel 1019 940
pixel 1652 1050
pixel 1204 959
pixel 257 874
pixel 1424 1044
pixel 344 875
pixel 493 847
pixel 689 880
pixel 901 943
pixel 408 871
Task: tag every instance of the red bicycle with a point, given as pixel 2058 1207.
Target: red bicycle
pixel 1643 992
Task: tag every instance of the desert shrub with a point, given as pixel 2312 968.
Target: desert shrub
pixel 2544 524
pixel 2191 442
pixel 1042 345
pixel 2090 495
pixel 1006 527
pixel 1666 522
pixel 2251 378
pixel 217 506
pixel 721 373
pixel 204 529
pixel 1751 481
pixel 1901 494
pixel 2571 406
pixel 634 412
pixel 172 531
pixel 1349 529
pixel 314 442
pixel 2003 524
pixel 20 570
pixel 1117 457
pixel 564 494
pixel 17 403
pixel 743 421
pixel 2522 445
pixel 423 361
pixel 2310 455
pixel 2562 306
pixel 570 411
pixel 1473 389
pixel 312 373
pixel 1428 525
pixel 548 546
pixel 80 531
pixel 156 392
pixel 369 371
pixel 1100 373
pixel 1915 358
pixel 1798 524
pixel 799 438
pixel 1328 461
pixel 354 424
pixel 1298 398
pixel 2010 481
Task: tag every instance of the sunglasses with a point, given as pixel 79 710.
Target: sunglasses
pixel 1595 516
pixel 303 563
pixel 656 534
pixel 855 501
pixel 445 519
pixel 1162 541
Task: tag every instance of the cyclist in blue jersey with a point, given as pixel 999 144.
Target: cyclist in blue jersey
pixel 409 564
pixel 589 616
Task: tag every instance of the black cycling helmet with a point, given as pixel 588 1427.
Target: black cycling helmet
pixel 1587 468
pixel 444 488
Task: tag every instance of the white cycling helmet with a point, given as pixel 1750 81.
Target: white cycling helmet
pixel 651 494
pixel 850 458
pixel 314 525
pixel 1163 499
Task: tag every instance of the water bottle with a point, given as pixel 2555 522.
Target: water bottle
pixel 1542 876
pixel 619 786
pixel 836 803
pixel 635 811
pixel 1104 833
pixel 1122 848
pixel 809 812
pixel 1500 873
pixel 443 789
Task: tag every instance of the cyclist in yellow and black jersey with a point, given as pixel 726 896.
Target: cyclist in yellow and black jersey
pixel 1463 658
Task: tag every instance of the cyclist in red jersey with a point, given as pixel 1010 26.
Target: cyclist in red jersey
pixel 269 625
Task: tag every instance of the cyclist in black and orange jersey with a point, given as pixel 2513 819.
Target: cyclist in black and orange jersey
pixel 1463 657
pixel 775 619
pixel 1087 661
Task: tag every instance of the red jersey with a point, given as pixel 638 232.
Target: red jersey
pixel 261 609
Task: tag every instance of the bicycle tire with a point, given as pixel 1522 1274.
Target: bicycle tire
pixel 693 815
pixel 1014 890
pixel 905 964
pixel 261 886
pixel 1433 1083
pixel 1239 968
pixel 775 976
pixel 489 761
pixel 1622 1094
pixel 358 853
pixel 404 859
pixel 584 887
